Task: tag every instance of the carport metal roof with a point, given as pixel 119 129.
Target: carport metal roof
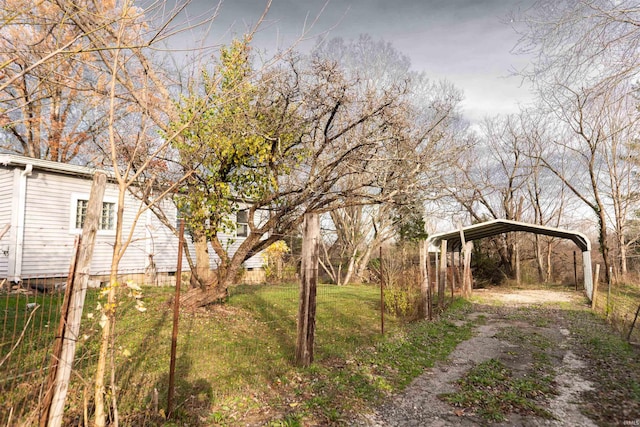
pixel 499 226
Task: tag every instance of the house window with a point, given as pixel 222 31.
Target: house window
pixel 242 223
pixel 107 217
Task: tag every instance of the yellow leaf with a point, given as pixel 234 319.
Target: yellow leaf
pixel 133 286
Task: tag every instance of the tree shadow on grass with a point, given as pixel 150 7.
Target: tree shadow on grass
pixel 281 325
pixel 191 398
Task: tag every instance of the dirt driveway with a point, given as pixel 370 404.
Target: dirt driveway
pixel 537 358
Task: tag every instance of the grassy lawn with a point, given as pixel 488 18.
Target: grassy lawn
pixel 234 361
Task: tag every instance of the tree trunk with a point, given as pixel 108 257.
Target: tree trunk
pixel 424 280
pixel 109 319
pixel 202 276
pixel 539 263
pixel 350 269
pixel 207 286
pixel 604 247
pixel 623 256
pixel 363 262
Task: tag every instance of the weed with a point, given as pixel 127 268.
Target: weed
pixel 290 420
pixel 613 365
pixel 492 391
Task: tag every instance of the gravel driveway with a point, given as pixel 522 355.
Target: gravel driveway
pixel 499 316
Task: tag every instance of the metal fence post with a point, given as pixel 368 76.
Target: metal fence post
pixel 176 313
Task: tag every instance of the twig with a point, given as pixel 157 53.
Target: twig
pixel 24 329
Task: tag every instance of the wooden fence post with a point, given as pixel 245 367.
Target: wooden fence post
pixel 596 278
pixel 442 283
pixel 76 302
pixel 424 276
pixel 635 319
pixel 308 285
pixel 57 346
pixel 381 294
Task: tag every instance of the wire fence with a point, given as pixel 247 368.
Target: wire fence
pixel 620 304
pixel 30 313
pixel 214 342
pixel 208 340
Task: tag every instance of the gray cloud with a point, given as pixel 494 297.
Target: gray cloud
pixel 464 41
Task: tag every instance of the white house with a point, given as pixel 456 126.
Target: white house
pixel 43 204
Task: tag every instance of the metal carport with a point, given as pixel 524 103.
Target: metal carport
pixel 455 238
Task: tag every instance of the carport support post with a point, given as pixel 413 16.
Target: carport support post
pixel 453 272
pixel 436 270
pixel 594 292
pixel 575 269
pixel 442 283
pixel 309 282
pixel 465 258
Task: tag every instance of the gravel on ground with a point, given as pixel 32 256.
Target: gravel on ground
pixel 496 314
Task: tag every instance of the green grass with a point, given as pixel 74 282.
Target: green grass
pixel 492 391
pixel 612 364
pixel 235 361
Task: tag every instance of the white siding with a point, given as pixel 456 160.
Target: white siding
pixel 49 236
pixel 163 244
pixel 6 199
pixel 49 229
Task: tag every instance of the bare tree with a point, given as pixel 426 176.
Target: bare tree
pixel 490 182
pixel 546 196
pixel 429 115
pixel 356 232
pixel 591 43
pixel 52 98
pixel 585 63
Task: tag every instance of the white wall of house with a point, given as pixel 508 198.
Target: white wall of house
pixel 49 227
pixel 160 241
pixel 43 220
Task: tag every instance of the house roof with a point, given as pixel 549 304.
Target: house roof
pixel 500 226
pixel 48 165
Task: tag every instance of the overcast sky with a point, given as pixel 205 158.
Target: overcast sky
pixel 467 42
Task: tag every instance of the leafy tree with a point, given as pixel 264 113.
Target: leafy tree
pixel 231 151
pixel 306 134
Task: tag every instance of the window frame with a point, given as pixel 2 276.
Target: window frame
pixel 245 233
pixel 73 214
